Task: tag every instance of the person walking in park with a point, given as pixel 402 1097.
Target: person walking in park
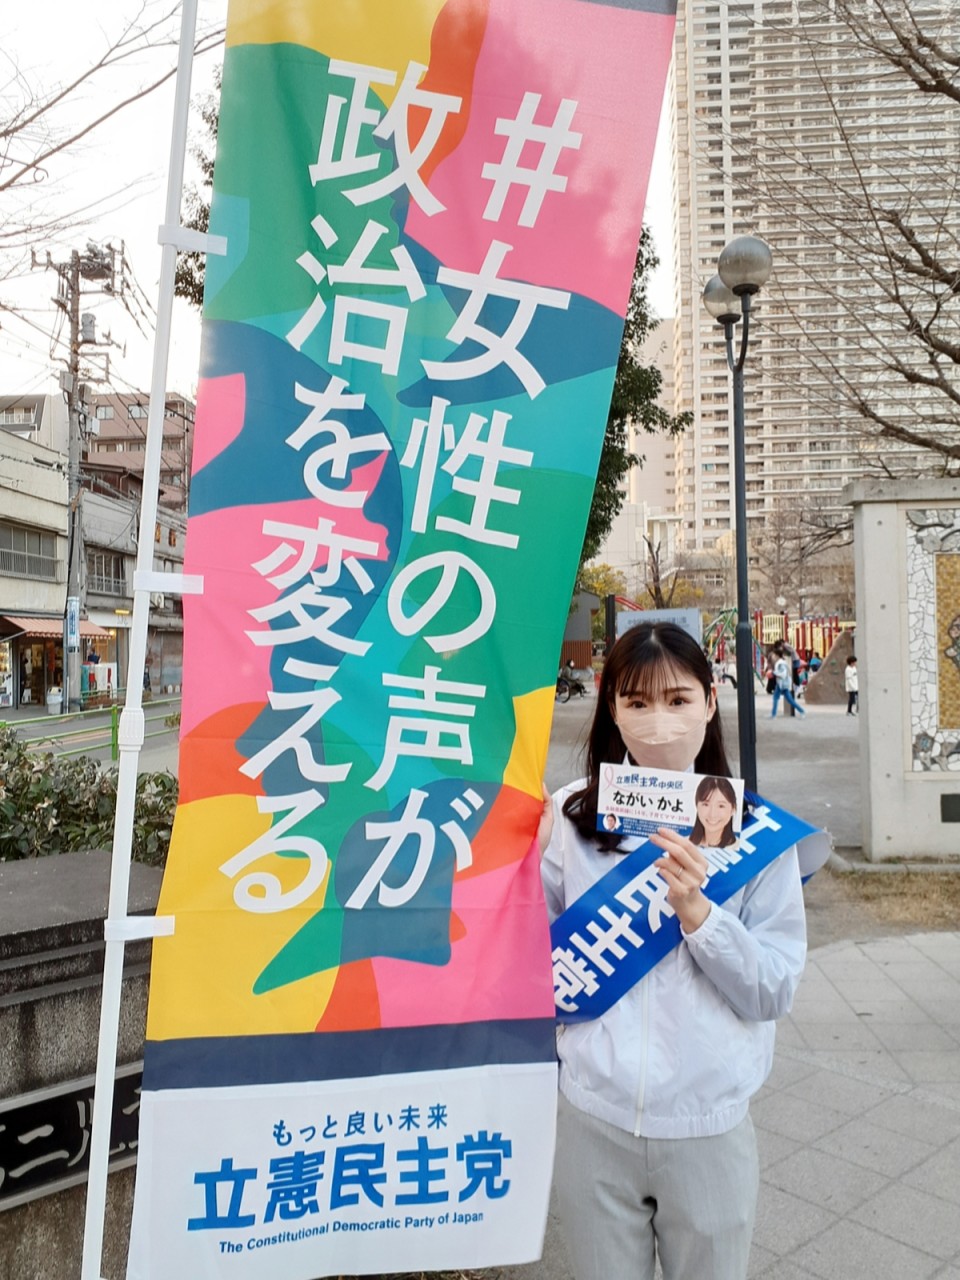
pixel 722 673
pixel 783 683
pixel 656 1153
pixel 851 683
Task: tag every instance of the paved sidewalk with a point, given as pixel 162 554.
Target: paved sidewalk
pixel 859 1123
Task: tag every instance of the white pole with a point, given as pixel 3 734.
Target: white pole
pixel 131 719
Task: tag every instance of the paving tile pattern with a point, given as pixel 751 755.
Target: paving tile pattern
pixel 858 1124
pixel 866 1085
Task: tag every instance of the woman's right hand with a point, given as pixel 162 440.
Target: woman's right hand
pixel 684 868
pixel 545 829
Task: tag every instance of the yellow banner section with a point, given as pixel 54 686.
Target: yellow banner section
pixel 213 937
pixel 379 33
pixel 528 758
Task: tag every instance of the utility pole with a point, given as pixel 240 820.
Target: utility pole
pixel 71 620
pixel 100 266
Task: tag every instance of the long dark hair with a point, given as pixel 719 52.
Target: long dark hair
pixel 704 791
pixel 640 660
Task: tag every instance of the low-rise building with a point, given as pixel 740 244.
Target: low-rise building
pixel 111 531
pixel 118 426
pixel 34 543
pixel 33 566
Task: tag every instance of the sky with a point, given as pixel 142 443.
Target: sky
pixel 120 170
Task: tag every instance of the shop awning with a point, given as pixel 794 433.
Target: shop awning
pixel 52 627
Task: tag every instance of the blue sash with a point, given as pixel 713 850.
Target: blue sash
pixel 615 933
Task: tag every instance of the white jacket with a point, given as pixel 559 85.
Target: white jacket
pixel 784 673
pixel 683 1051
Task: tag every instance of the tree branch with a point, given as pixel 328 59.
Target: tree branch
pixel 45 154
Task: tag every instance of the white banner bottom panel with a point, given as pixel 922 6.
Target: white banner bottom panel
pixel 423 1171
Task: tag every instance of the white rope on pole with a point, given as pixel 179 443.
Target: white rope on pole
pixel 131 718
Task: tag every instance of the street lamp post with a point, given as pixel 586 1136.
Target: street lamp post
pixel 742 268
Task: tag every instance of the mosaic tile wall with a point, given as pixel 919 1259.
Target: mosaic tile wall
pixel 933 606
pixel 948 637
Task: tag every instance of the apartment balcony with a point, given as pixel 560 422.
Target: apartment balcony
pixel 26 564
pixel 99 585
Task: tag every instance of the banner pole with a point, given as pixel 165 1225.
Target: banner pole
pixel 131 719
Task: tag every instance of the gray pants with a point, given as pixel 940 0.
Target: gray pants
pixel 623 1199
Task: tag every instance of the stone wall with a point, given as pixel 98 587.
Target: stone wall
pixel 51 962
pixel 907 536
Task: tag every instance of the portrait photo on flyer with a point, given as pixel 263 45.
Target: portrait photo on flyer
pixel 636 801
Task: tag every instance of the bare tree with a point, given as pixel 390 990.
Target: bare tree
pixel 844 155
pixel 803 557
pixel 41 123
pixel 859 192
pixel 667 588
pixel 780 554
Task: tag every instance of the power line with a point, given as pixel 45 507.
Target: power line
pixel 38 466
pixel 55 338
pixel 17 338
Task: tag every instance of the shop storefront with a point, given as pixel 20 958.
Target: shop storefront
pixel 112 654
pixel 31 656
pixel 6 673
pixel 164 669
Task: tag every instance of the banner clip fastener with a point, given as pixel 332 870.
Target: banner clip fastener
pixel 135 928
pixel 177 584
pixel 189 241
pixel 130 729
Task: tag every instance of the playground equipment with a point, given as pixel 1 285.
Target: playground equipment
pixel 719 635
pixel 816 634
pixel 813 635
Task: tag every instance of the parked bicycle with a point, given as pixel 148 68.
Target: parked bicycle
pixel 568 682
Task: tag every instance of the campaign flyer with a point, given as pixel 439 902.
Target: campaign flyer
pixel 635 801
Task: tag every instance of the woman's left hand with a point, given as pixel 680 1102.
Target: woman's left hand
pixel 545 828
pixel 684 868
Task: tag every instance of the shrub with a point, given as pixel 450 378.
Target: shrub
pixel 57 804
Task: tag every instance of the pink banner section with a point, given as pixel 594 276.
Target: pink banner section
pixel 537 48
pixel 230 598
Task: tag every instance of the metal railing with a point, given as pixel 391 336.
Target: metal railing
pixel 102 699
pixel 103 584
pixel 96 737
pixel 30 564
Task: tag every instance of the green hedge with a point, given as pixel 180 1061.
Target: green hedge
pixel 58 804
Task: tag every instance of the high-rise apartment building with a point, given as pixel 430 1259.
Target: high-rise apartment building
pixel 772 100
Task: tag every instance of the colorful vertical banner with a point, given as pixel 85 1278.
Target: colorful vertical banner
pixel 432 209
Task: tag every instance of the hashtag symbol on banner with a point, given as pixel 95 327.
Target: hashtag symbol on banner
pixel 552 138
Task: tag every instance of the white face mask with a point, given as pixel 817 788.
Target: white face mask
pixel 663 739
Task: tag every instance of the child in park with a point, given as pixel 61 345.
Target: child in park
pixel 656 1153
pixel 851 683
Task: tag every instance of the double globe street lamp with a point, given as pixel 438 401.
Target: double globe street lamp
pixel 743 266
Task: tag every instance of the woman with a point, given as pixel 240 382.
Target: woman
pixel 716 803
pixel 783 682
pixel 656 1152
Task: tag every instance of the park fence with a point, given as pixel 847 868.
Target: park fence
pixel 93 730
